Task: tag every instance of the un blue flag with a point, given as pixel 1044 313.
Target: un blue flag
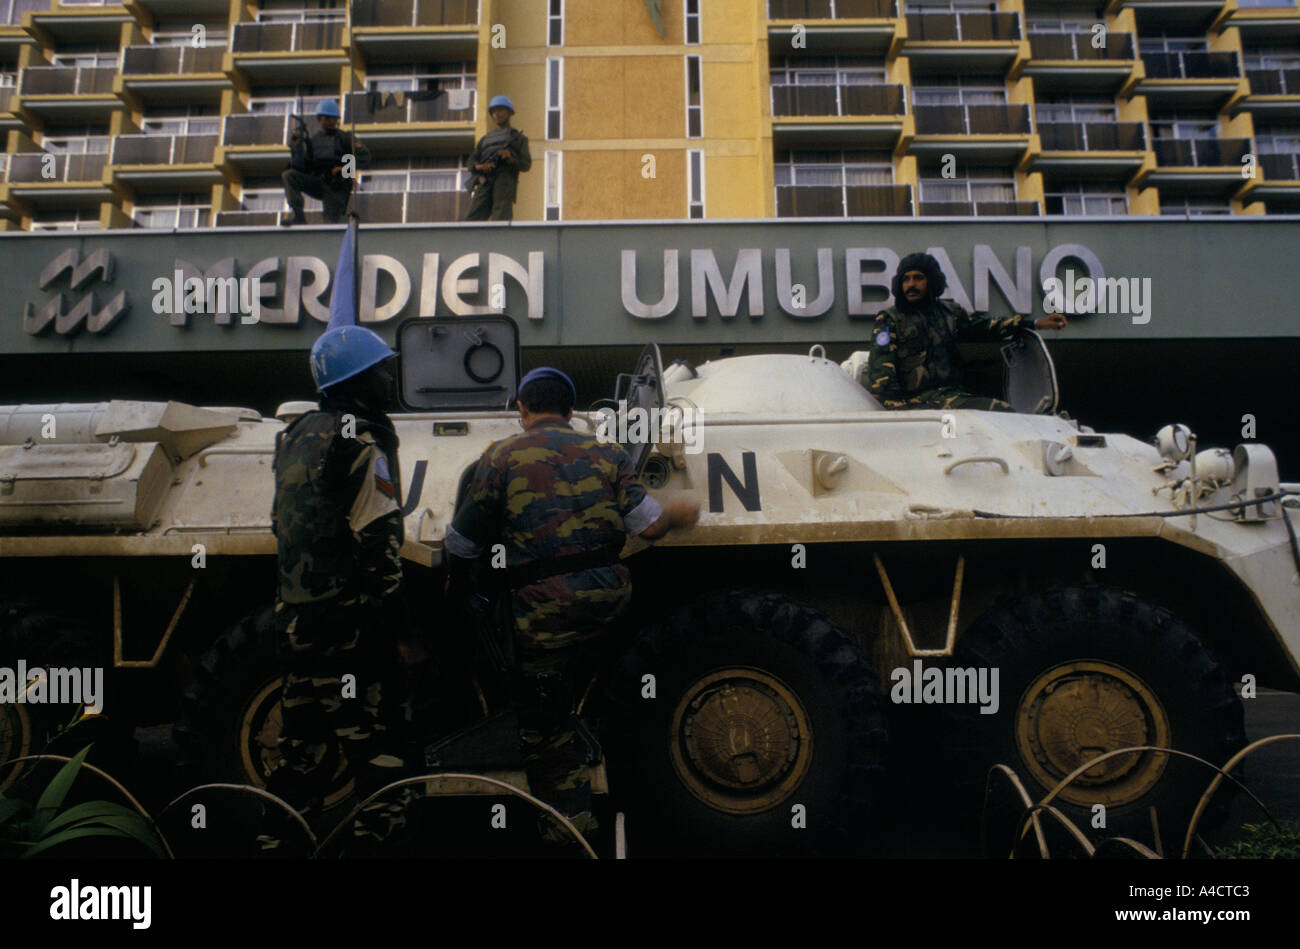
pixel 343 298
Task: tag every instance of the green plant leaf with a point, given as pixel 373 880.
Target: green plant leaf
pixel 89 811
pixel 131 825
pixel 73 834
pixel 58 789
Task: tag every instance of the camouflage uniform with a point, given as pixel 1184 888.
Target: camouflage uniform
pixel 915 363
pixel 549 494
pixel 338 526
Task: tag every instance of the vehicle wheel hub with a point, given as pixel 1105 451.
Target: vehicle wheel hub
pixel 259 743
pixel 741 740
pixel 15 740
pixel 1078 711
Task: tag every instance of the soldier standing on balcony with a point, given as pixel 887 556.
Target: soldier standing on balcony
pixel 318 167
pixel 497 161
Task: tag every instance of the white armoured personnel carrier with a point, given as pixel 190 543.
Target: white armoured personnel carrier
pixel 1053 592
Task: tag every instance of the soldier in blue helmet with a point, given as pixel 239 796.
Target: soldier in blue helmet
pixel 338 528
pixel 318 167
pixel 497 161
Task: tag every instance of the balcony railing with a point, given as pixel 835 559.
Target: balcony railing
pixel 287 37
pixel 1274 82
pixel 30 166
pixel 830 201
pixel 415 13
pixel 971 119
pixel 838 100
pixel 170 60
pixel 65 80
pixel 963 26
pixel 382 207
pixel 163 149
pixel 373 108
pixel 1200 152
pixel 6 96
pixel 1093 136
pixel 1079 46
pixel 255 128
pixel 1192 65
pixel 979 209
pixel 830 9
pixel 1284 166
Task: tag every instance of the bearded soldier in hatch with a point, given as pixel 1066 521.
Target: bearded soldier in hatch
pixel 915 363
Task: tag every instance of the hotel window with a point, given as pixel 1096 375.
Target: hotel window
pixel 695 183
pixel 694 110
pixel 172 211
pixel 1099 198
pixel 691 9
pixel 554 184
pixel 1195 207
pixel 555 23
pixel 83 219
pixel 554 98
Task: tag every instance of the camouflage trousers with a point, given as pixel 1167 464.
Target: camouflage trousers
pixel 555 752
pixel 950 397
pixel 343 694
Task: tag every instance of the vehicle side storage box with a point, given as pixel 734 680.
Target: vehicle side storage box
pixel 108 486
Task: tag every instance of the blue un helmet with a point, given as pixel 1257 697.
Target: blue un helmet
pixel 549 372
pixel 345 351
pixel 328 107
pixel 501 100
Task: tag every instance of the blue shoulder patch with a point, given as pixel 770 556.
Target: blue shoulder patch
pixel 882 338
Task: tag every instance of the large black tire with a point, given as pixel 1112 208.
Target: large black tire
pixel 228 721
pixel 765 716
pixel 44 637
pixel 1083 670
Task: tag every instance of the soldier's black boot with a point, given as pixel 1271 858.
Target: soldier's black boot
pixel 288 220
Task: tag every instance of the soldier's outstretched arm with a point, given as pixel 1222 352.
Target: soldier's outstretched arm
pixel 972 327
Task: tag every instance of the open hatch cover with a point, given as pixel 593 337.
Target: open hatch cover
pixel 643 390
pixel 1029 378
pixel 456 363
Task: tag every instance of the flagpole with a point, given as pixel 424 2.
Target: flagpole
pixel 354 219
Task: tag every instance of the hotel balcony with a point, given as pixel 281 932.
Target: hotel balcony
pixel 844 201
pixel 1069 62
pixel 1174 17
pixel 289 52
pixel 391 122
pixel 1197 164
pixel 67 181
pixel 9 119
pixel 1190 79
pixel 1274 93
pixel 174 74
pixel 256 142
pixel 80 23
pixel 1275 24
pixel 1280 184
pixel 1106 149
pixel 980 209
pixel 997 133
pixel 1281 167
pixel 68 93
pixel 965 41
pixel 12 35
pixel 416 30
pixel 407 207
pixel 835 26
pixel 152 163
pixel 839 116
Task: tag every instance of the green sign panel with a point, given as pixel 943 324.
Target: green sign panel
pixel 769 281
